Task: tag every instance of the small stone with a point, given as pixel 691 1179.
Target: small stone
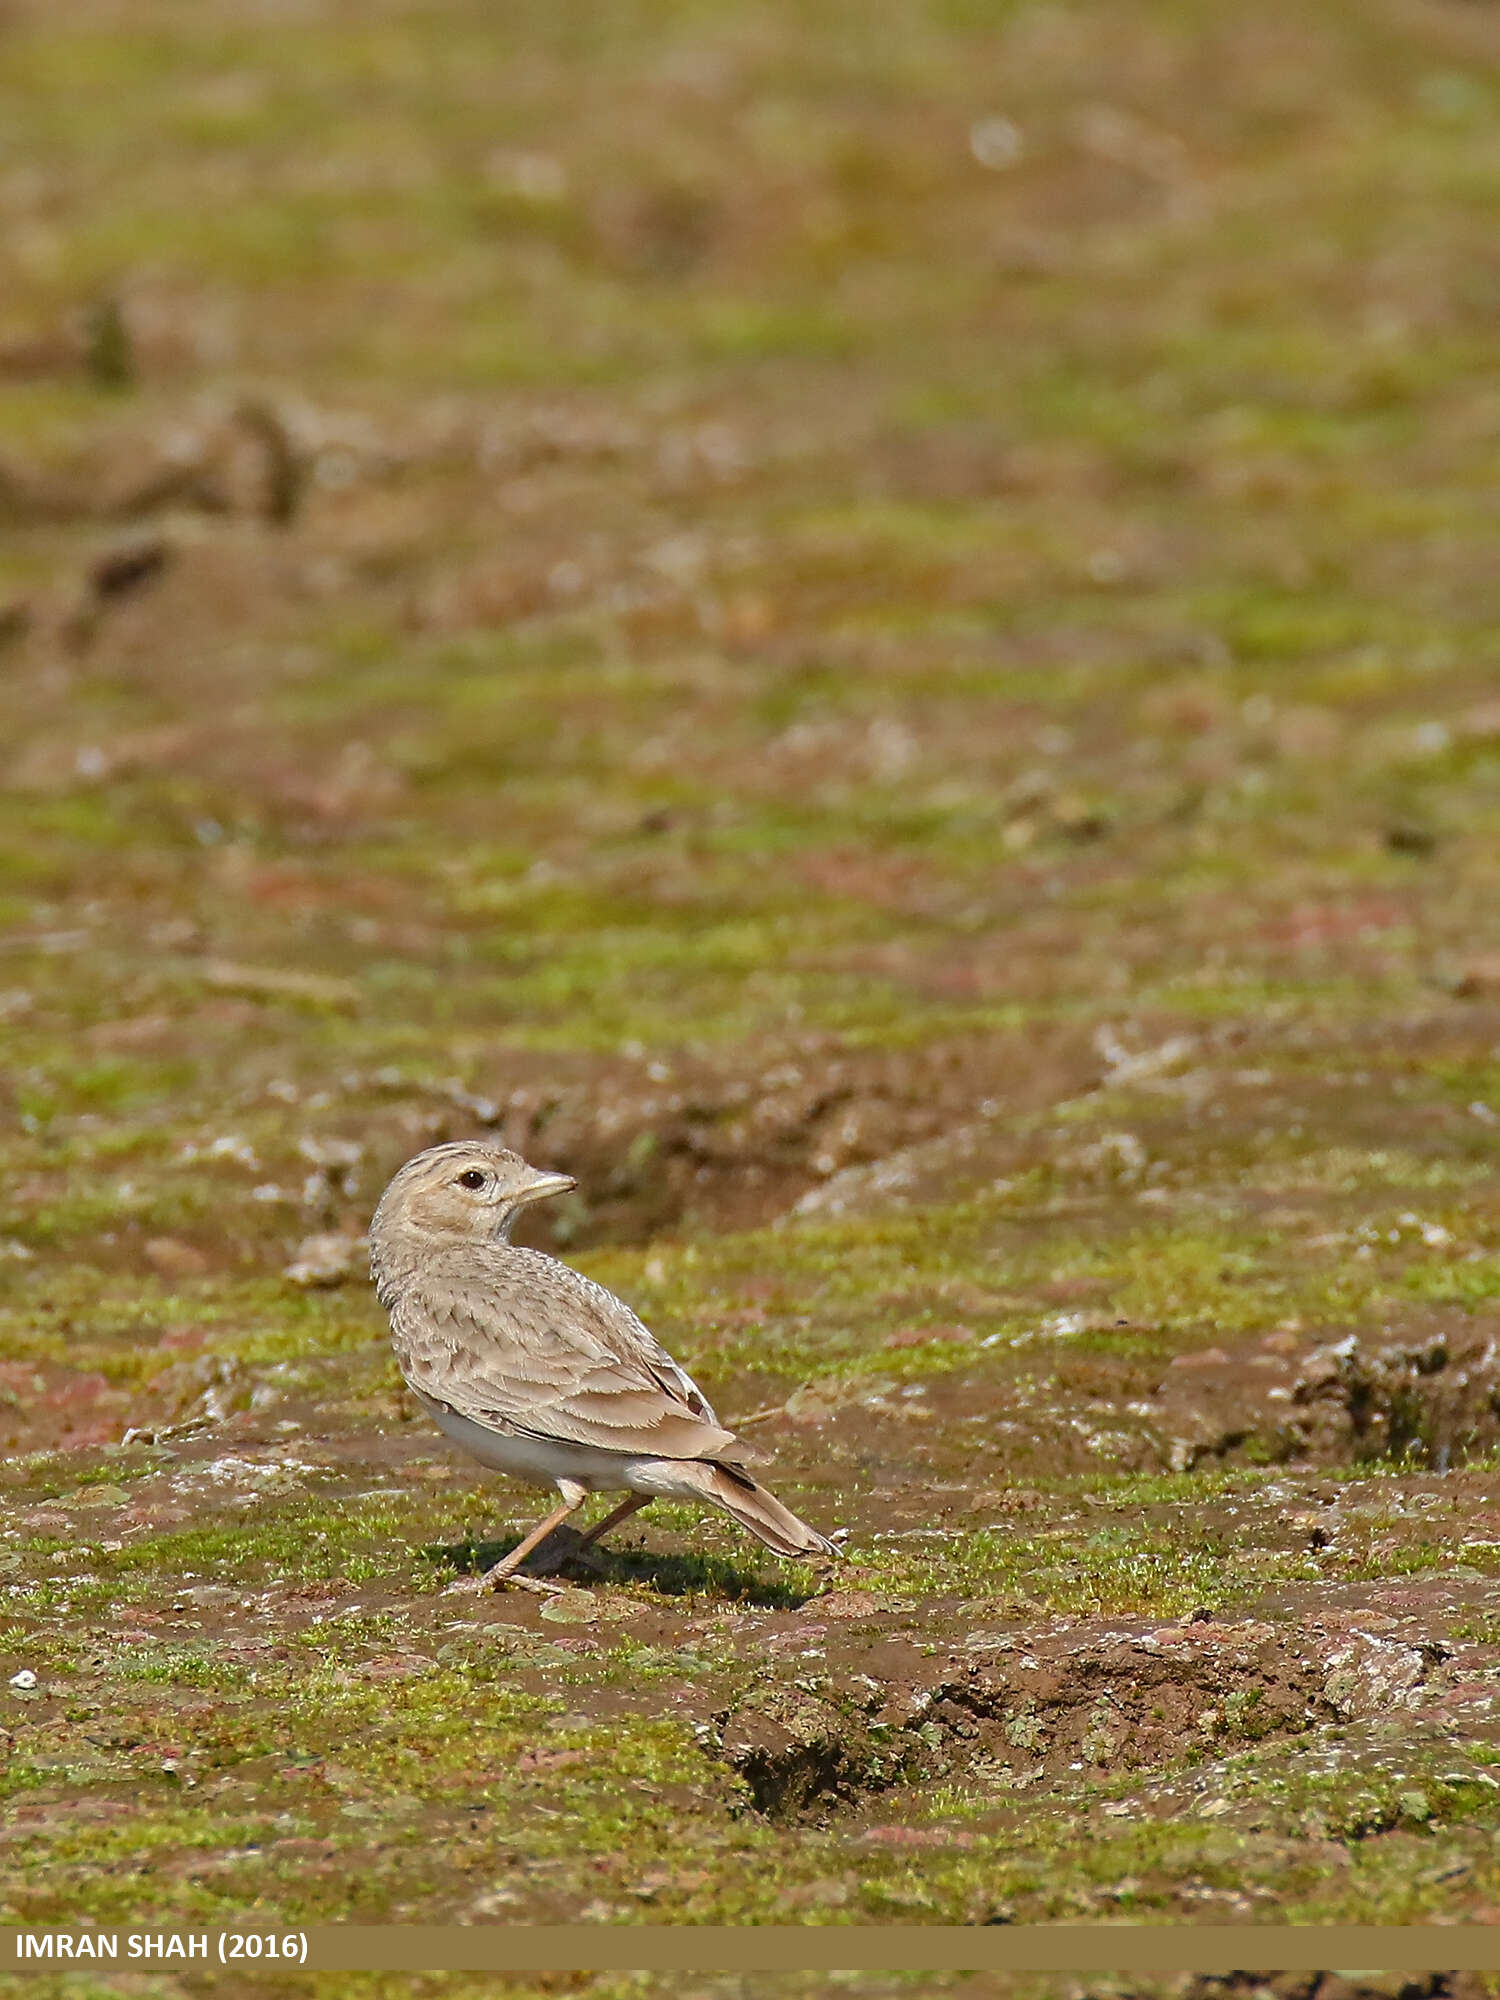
pixel 490 1904
pixel 1478 976
pixel 327 1260
pixel 24 1679
pixel 268 982
pixel 169 1257
pixel 924 1336
pixel 844 1604
pixel 1074 816
pixel 571 1607
pixel 124 568
pixel 1409 837
pixel 1482 722
pixel 396 1666
pixel 540 1760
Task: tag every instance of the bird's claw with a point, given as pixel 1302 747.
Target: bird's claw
pixel 466 1586
pixel 532 1583
pixel 486 1580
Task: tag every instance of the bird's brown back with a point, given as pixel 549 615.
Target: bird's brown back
pixel 517 1339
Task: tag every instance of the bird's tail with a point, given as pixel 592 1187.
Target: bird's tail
pixel 749 1503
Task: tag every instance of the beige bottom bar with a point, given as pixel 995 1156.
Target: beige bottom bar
pixel 770 1948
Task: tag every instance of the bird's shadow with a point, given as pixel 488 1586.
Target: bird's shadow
pixel 668 1575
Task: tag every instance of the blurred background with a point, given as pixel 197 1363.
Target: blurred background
pixel 715 588
pixel 600 531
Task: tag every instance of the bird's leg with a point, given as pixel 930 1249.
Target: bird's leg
pixel 612 1520
pixel 504 1570
pixel 579 1548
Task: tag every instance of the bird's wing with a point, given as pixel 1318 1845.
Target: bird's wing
pixel 556 1356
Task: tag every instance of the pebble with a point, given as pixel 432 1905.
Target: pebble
pixel 327 1260
pixel 572 1607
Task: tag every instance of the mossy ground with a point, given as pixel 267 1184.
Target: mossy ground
pixel 885 644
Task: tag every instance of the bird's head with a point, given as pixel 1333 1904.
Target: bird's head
pixel 467 1190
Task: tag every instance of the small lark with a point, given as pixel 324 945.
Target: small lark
pixel 535 1369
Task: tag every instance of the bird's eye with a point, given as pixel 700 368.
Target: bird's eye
pixel 471 1178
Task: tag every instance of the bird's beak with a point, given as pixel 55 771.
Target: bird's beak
pixel 543 1186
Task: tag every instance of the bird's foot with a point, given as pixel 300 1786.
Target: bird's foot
pixel 514 1581
pixel 485 1581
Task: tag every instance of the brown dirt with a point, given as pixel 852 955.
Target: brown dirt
pixel 1427 1391
pixel 1026 1708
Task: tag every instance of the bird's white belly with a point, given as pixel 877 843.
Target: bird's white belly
pixel 542 1461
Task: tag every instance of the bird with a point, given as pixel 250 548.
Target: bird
pixel 537 1371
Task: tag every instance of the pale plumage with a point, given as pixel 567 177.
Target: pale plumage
pixel 534 1368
